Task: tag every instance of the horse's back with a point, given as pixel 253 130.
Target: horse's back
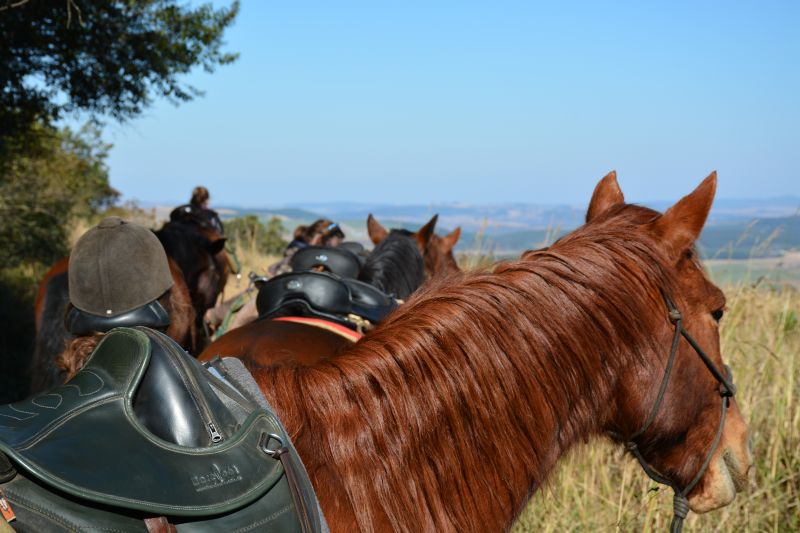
pixel 270 342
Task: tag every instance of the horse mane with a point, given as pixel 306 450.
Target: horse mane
pixel 395 265
pixel 454 409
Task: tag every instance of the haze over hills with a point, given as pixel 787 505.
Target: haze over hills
pixel 737 228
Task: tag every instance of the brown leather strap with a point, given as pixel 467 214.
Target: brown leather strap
pixel 290 468
pixel 159 524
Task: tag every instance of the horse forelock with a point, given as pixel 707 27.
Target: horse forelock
pixel 454 410
pixel 395 266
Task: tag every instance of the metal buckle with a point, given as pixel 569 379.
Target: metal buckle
pixel 263 444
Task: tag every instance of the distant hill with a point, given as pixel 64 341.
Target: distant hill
pixel 737 228
pixel 741 239
pixel 294 213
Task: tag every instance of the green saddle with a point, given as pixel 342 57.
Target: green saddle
pixel 144 431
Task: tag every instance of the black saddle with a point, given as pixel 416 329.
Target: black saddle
pixel 339 261
pixel 322 295
pixel 145 430
pixel 357 248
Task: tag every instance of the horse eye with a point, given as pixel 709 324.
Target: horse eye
pixel 718 314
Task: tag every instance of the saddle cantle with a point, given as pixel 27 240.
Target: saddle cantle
pixel 339 261
pixel 146 428
pixel 322 295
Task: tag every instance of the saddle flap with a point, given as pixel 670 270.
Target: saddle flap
pixel 368 301
pixel 85 438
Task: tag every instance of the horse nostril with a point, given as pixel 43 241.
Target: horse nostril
pixel 739 474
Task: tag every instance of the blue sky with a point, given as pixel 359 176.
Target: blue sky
pixel 480 102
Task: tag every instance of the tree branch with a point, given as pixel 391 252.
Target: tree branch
pixel 10 4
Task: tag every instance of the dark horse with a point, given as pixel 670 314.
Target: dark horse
pixel 199 251
pixel 53 340
pixel 454 410
pixel 436 251
pixel 396 266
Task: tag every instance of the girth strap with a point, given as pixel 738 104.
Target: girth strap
pixel 292 471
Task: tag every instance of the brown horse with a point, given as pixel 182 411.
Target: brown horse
pixel 439 258
pixel 199 251
pixel 452 412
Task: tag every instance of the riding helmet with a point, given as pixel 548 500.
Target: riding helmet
pixel 117 268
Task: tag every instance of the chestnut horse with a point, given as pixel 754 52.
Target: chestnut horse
pixel 52 337
pixel 454 410
pixel 396 266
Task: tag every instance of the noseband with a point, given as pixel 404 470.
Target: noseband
pixel 726 390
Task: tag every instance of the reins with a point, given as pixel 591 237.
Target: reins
pixel 726 391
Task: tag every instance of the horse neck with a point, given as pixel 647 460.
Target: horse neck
pixel 456 409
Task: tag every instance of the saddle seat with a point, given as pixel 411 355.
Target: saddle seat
pixel 322 295
pixel 145 427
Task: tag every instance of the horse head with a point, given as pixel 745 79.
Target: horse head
pixel 398 263
pixel 674 407
pixel 439 258
pixel 437 252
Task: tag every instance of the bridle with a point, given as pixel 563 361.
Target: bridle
pixel 726 390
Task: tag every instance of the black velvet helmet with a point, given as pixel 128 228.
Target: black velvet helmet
pixel 117 272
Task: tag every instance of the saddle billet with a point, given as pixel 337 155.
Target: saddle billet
pixel 87 456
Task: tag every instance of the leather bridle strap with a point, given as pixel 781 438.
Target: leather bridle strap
pixel 726 390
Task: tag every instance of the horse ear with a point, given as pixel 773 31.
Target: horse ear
pixel 606 194
pixel 681 225
pixel 423 234
pixel 376 232
pixel 216 246
pixel 450 240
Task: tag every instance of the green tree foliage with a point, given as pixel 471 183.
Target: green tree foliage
pixel 44 188
pixel 248 232
pixel 108 58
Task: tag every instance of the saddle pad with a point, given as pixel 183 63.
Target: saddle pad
pixel 349 334
pixel 83 438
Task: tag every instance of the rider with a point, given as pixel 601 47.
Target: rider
pixel 197 211
pixel 322 232
pixel 119 275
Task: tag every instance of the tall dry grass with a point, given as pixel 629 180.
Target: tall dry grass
pixel 249 260
pixel 599 488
